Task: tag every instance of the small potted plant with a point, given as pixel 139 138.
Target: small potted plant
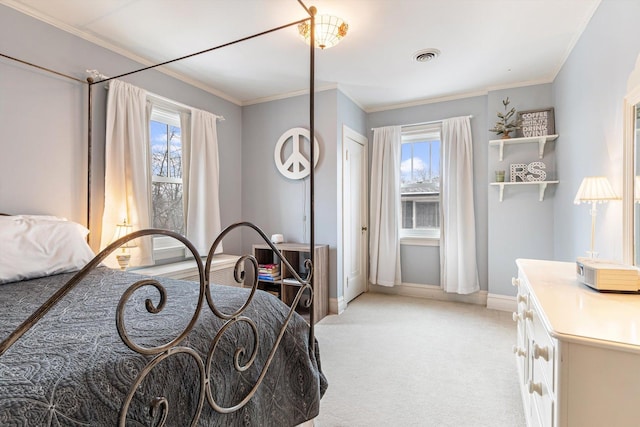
pixel 507 122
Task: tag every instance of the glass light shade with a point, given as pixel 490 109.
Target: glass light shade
pixel 329 31
pixel 595 189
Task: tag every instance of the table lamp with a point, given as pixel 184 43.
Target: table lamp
pixel 124 256
pixel 594 189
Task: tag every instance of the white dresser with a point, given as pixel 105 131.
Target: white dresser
pixel 577 350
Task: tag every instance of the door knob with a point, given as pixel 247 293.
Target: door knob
pixel 364 228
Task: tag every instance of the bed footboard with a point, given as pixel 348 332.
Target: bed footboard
pixel 223 347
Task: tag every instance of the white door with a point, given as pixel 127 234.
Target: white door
pixel 354 213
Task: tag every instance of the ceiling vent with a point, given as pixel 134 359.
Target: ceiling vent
pixel 426 55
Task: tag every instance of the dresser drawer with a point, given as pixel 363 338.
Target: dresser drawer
pixel 520 349
pixel 542 398
pixel 542 349
pixel 522 299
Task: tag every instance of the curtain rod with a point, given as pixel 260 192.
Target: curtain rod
pixel 162 99
pixel 178 104
pixel 425 123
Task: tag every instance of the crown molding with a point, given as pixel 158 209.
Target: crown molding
pixel 425 101
pixel 286 95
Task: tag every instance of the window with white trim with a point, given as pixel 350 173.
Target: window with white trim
pixel 420 182
pixel 167 209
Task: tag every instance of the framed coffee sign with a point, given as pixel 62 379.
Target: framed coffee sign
pixel 536 123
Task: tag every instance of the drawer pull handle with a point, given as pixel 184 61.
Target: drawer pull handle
pixel 519 351
pixel 527 314
pixel 522 298
pixel 535 388
pixel 539 352
pixel 515 281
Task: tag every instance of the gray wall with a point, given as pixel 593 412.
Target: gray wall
pixel 43 150
pixel 44 122
pixel 421 265
pixel 520 226
pixel 276 203
pixel 588 95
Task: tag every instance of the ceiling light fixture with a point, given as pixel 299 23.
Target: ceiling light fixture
pixel 426 55
pixel 329 31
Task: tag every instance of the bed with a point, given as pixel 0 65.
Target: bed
pixel 179 344
pixel 83 344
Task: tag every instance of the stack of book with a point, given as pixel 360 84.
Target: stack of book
pixel 269 272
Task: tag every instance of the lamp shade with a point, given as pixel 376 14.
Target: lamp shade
pixel 329 31
pixel 122 230
pixel 595 189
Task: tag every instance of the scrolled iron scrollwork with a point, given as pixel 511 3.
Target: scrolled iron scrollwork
pixel 244 356
pixel 238 365
pixel 150 307
pixel 254 263
pixel 159 405
pixel 237 316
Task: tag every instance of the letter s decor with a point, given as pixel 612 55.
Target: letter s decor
pixel 536 172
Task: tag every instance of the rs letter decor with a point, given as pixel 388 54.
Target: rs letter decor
pixel 532 172
pixel 536 123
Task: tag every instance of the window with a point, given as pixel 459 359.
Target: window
pixel 420 182
pixel 166 181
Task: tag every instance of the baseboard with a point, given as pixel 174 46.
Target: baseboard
pixel 337 305
pixel 431 292
pixel 491 301
pixel 502 302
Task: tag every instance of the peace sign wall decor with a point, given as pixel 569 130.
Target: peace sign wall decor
pixel 296 165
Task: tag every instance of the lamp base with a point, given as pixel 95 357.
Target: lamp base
pixel 123 261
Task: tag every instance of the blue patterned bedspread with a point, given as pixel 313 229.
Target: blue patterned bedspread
pixel 72 368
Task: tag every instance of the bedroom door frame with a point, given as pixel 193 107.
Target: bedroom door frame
pixel 348 292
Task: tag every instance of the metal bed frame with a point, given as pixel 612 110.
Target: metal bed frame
pixel 159 406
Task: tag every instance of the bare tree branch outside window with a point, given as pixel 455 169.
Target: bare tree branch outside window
pixel 166 168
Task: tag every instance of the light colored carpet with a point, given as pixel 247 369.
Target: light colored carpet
pixel 401 361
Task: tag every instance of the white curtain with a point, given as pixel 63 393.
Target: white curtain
pixel 201 180
pixel 384 224
pixel 459 270
pixel 127 169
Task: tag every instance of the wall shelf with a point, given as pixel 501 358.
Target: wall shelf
pixel 541 140
pixel 541 184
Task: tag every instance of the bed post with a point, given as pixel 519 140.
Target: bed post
pixel 89 149
pixel 312 49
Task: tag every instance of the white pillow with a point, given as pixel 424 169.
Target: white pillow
pixel 36 246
